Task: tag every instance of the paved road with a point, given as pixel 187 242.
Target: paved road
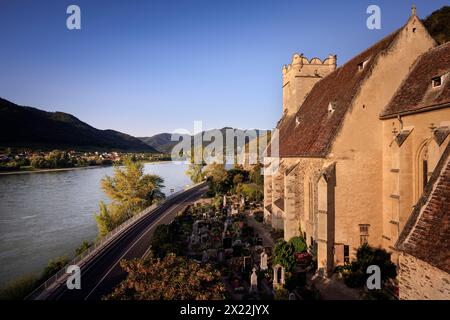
pixel 103 273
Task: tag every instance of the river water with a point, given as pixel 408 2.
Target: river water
pixel 47 215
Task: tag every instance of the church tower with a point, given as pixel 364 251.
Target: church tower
pixel 299 78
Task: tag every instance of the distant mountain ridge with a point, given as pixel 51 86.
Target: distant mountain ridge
pixel 163 143
pixel 22 126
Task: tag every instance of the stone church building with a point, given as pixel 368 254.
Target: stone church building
pixel 359 144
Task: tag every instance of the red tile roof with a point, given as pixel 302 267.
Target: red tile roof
pixel 317 128
pixel 416 93
pixel 426 235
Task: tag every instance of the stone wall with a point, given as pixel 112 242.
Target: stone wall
pixel 358 147
pixel 402 166
pixel 419 280
pixel 300 76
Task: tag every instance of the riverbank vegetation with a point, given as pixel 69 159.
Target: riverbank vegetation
pixel 27 160
pixel 19 288
pixel 130 191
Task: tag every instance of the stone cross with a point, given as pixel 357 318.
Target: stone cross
pixel 253 282
pixel 224 201
pixel 263 262
pixel 414 10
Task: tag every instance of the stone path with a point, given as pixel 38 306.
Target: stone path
pixel 262 231
pixel 334 288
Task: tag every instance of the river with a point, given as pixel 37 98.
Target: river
pixel 47 215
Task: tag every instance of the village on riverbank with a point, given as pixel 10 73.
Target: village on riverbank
pixel 14 161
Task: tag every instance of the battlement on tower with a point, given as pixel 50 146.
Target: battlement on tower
pixel 300 76
pixel 300 59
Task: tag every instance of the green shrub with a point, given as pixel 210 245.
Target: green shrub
pixel 83 247
pixel 281 294
pixel 160 238
pixel 19 288
pixel 299 244
pixel 355 279
pixel 284 255
pixel 54 266
pixel 9 166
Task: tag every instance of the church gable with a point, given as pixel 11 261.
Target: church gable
pixel 426 87
pixel 313 128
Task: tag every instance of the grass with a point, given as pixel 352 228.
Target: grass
pixel 18 289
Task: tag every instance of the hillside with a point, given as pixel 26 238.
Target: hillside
pixel 163 143
pixel 160 142
pixel 30 127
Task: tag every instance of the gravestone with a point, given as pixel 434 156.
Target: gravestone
pixel 278 276
pixel 253 282
pixel 263 263
pixel 259 241
pixel 221 256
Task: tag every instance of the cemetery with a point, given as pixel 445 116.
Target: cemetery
pixel 223 235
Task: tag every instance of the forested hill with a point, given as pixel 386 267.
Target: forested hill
pixel 30 127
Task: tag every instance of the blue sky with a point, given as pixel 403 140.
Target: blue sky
pixel 144 67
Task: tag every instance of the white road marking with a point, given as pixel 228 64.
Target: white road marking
pixel 134 243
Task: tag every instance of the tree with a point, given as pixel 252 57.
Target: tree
pixel 251 191
pixel 19 288
pixel 299 244
pixel 39 162
pixel 194 172
pixel 255 175
pixel 82 248
pixel 54 266
pixel 438 26
pixel 130 191
pixel 284 255
pixel 58 159
pixel 237 179
pixel 218 177
pixel 105 223
pixel 160 239
pixel 170 278
pixel 131 188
